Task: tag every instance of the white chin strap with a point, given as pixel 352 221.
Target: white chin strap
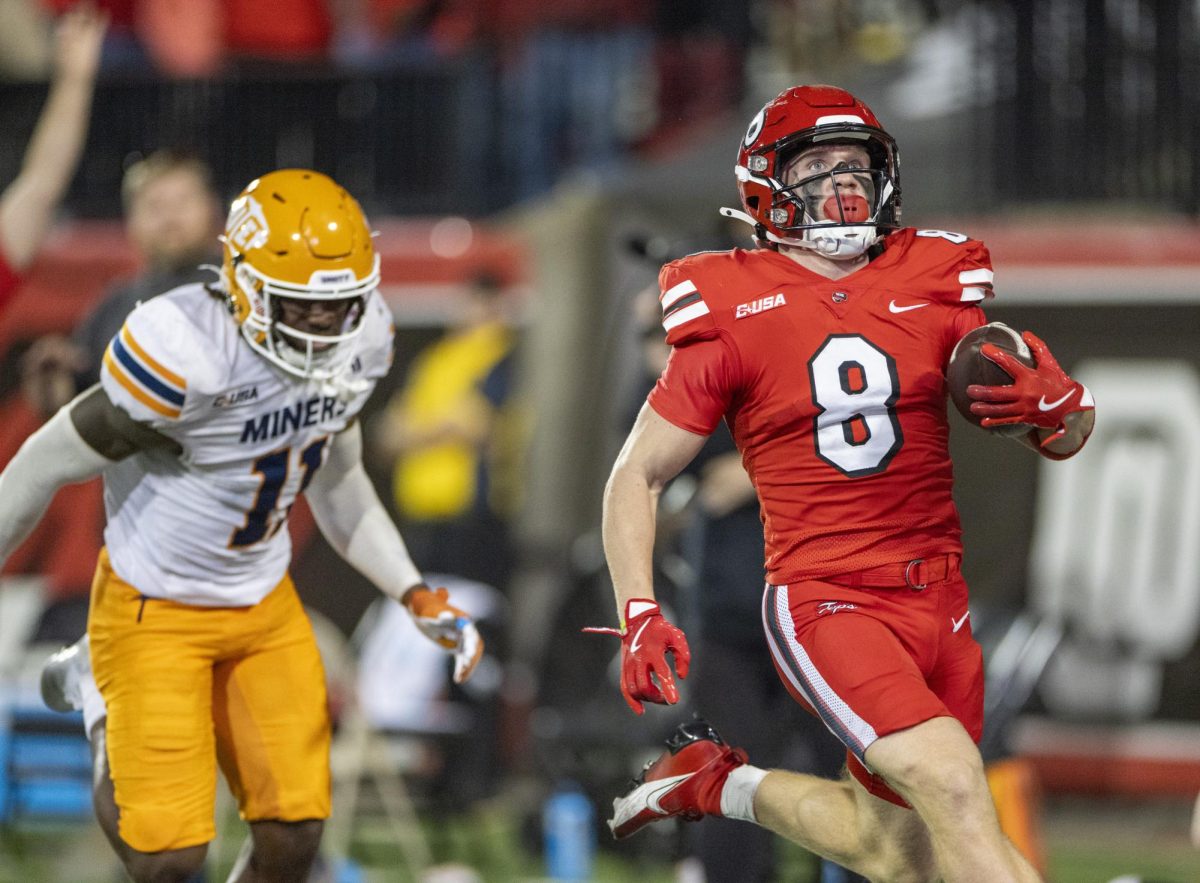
pixel 836 243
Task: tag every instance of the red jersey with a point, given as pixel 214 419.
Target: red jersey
pixel 834 391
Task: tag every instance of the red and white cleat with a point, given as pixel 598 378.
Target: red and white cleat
pixel 685 781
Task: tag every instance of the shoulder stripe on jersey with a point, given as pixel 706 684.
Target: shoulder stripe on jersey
pixel 155 386
pixel 133 388
pixel 149 380
pixel 165 374
pixel 688 313
pixel 675 292
pixel 686 301
pixel 973 293
pixel 978 276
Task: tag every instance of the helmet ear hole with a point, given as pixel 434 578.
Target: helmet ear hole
pixel 752 203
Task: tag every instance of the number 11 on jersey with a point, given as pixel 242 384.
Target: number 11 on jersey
pixel 266 516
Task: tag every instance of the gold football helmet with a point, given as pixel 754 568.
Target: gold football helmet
pixel 295 237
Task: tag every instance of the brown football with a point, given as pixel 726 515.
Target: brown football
pixel 968 365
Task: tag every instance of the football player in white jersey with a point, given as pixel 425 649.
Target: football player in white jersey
pixel 218 405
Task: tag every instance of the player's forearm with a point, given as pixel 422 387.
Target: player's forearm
pixel 352 518
pixel 54 456
pixel 630 507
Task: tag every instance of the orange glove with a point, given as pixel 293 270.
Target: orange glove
pixel 447 626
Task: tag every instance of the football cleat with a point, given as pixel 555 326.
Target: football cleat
pixel 685 781
pixel 62 677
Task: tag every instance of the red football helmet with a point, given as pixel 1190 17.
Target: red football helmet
pixel 793 214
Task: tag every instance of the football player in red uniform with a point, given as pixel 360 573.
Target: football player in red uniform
pixel 825 350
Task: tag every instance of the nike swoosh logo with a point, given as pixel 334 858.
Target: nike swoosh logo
pixel 634 646
pixel 648 795
pixel 898 309
pixel 958 623
pixel 1043 405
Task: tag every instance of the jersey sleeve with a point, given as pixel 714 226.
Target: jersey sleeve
pixel 948 268
pixel 698 385
pixel 975 275
pixel 972 276
pixel 685 313
pixel 959 323
pixel 145 368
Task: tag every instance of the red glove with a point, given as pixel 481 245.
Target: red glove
pixel 645 641
pixel 1041 396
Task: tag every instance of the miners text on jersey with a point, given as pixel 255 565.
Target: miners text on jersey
pixel 310 412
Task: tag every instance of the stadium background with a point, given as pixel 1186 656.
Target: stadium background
pixel 1063 133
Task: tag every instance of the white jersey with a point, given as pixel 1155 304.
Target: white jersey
pixel 209 527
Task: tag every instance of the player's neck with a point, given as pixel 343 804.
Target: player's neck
pixel 822 265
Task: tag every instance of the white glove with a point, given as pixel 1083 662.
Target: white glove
pixel 447 626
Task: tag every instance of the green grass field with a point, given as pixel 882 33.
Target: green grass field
pixel 1088 841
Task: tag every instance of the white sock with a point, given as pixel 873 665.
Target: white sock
pixel 94 709
pixel 737 795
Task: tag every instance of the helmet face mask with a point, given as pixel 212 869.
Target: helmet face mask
pixel 315 326
pixel 299 265
pixel 820 212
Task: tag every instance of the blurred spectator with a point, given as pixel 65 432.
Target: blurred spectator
pixel 440 432
pixel 25 40
pixel 122 48
pixel 575 78
pixel 417 31
pixel 29 203
pixel 700 54
pixel 184 38
pixel 296 30
pixel 172 217
pixel 291 30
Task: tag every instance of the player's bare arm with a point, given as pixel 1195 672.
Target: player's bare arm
pixel 110 431
pixel 654 453
pixel 352 518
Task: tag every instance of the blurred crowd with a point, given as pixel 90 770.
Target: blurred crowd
pixel 576 84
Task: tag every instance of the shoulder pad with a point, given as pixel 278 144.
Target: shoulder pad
pixel 953 267
pixel 695 290
pixel 149 363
